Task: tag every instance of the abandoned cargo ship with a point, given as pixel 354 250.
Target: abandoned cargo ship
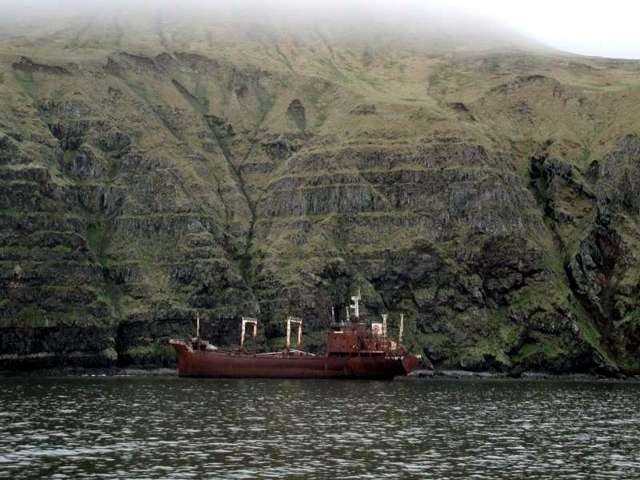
pixel 354 350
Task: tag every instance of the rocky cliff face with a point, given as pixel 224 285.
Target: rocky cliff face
pixel 493 197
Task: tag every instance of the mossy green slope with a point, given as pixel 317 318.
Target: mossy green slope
pixel 151 172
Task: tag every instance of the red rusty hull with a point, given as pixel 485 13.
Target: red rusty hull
pixel 203 363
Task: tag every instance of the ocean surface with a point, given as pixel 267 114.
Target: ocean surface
pixel 168 427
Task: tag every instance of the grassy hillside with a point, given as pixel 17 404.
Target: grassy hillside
pixel 151 169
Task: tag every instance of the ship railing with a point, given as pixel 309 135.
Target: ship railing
pixel 302 353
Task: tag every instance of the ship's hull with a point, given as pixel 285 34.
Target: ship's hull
pixel 206 363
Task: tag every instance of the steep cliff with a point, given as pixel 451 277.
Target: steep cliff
pixel 491 195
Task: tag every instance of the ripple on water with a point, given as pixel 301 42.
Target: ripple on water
pixel 179 428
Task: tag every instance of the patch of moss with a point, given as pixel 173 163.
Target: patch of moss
pixel 265 104
pixel 151 354
pixel 632 318
pixel 32 317
pixel 27 83
pixel 140 90
pixel 485 347
pixel 98 241
pixel 10 212
pixel 547 348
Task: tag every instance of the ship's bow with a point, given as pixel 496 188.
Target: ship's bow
pixel 183 352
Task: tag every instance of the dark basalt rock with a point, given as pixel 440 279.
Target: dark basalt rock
pixel 9 152
pixel 296 114
pixel 141 63
pixel 364 109
pixel 196 62
pixel 601 268
pixel 114 68
pixel 221 127
pixel 114 142
pixel 47 347
pixel 524 81
pixel 70 134
pixel 82 164
pixel 190 185
pixel 25 64
pixel 459 107
pixel 462 110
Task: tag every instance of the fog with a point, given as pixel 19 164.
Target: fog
pixel 582 27
pixel 589 27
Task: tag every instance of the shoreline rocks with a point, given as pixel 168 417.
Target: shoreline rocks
pixel 463 375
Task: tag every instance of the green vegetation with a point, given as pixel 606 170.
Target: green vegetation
pixel 489 196
pixel 547 348
pixel 155 354
pixel 140 89
pixel 98 241
pixel 27 83
pixel 32 317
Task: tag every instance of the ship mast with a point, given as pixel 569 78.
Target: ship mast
pixel 355 306
pixel 247 321
pixel 293 321
pixel 384 325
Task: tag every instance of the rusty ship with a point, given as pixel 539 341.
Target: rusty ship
pixel 354 349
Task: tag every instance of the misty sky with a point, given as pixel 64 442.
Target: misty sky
pixel 608 28
pixel 604 28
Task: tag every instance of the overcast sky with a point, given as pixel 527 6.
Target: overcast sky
pixel 609 28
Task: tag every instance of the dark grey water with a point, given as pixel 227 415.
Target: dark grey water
pixel 181 428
